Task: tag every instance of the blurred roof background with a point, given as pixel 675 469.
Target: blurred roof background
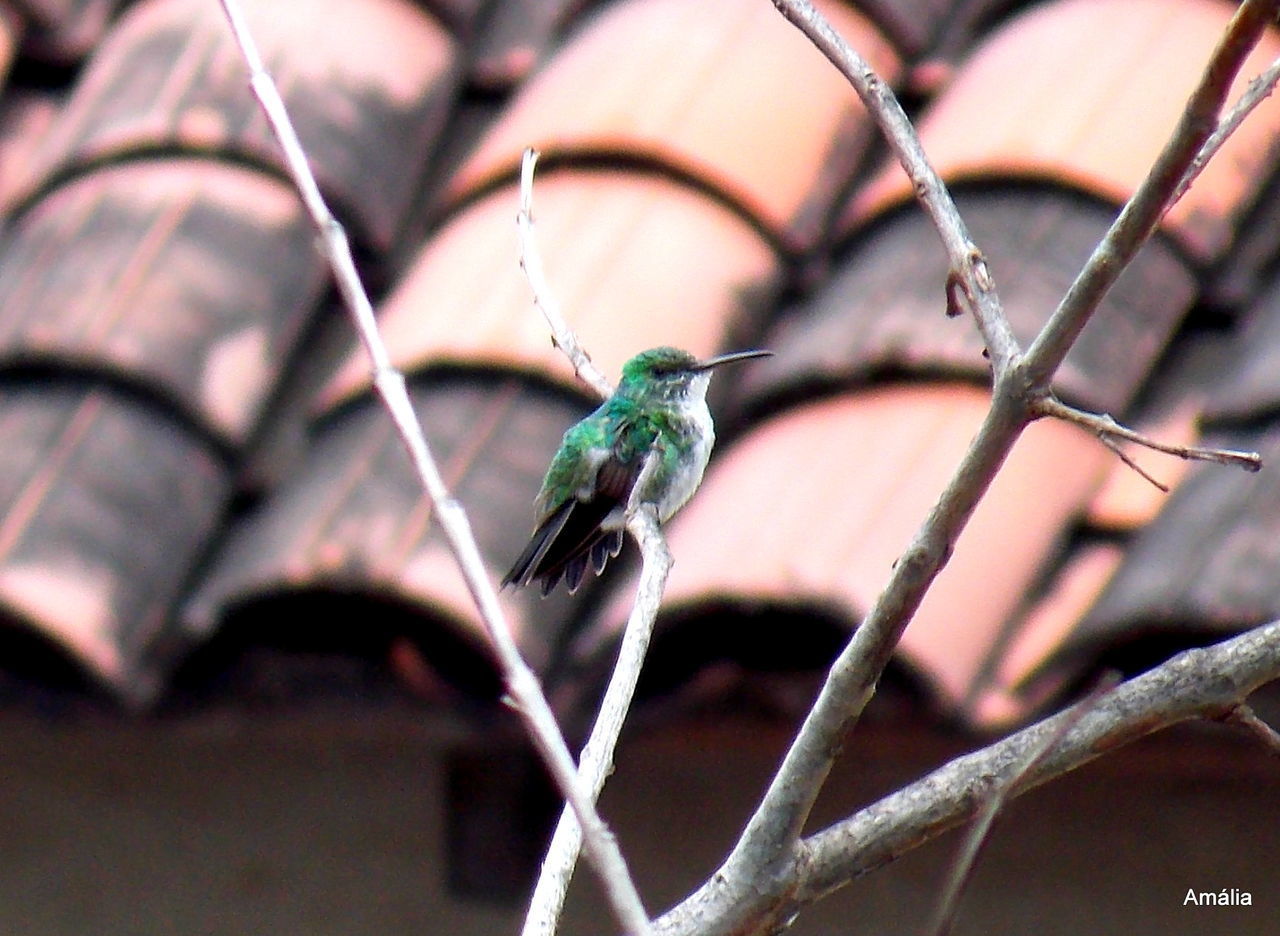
pixel 200 498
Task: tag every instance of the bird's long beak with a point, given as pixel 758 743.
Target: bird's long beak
pixel 730 358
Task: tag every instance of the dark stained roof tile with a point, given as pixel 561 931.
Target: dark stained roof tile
pixel 919 27
pixel 882 311
pixel 1249 389
pixel 367 84
pixel 515 38
pixel 106 505
pixel 60 30
pixel 174 291
pixel 1207 564
pixel 354 519
pixel 193 277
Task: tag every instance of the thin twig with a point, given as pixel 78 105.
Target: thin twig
pixel 1144 209
pixel 562 335
pixel 969 270
pixel 1107 429
pixel 1257 92
pixel 522 686
pixel 1244 716
pixel 596 761
pixel 1118 450
pixel 1001 793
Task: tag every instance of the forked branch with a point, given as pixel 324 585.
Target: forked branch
pixel 759 871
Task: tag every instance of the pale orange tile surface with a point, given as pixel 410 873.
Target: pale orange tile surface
pixel 11 30
pixel 814 506
pixel 724 89
pixel 634 262
pixel 1088 91
pixel 1048 624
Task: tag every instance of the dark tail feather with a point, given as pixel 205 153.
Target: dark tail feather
pixel 525 569
pixel 564 545
pixel 604 549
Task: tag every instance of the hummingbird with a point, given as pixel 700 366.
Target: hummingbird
pixel 648 443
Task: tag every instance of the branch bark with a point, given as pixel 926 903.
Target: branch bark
pixel 1143 211
pixel 968 267
pixel 562 335
pixel 1203 683
pixel 596 761
pixel 524 691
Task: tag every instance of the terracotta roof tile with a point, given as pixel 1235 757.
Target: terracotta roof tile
pixel 11 29
pixel 881 312
pixel 1144 57
pixel 149 306
pixel 808 512
pixel 919 27
pixel 1207 563
pixel 1128 501
pixel 515 38
pixel 1038 636
pixel 159 299
pixel 193 277
pixel 758 125
pixel 368 84
pixel 25 117
pixel 635 261
pixel 61 30
pixel 1250 388
pixel 83 472
pixel 354 519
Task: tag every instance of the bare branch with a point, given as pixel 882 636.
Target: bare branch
pixel 596 762
pixel 1000 794
pixel 769 842
pixel 760 867
pixel 1244 716
pixel 562 335
pixel 1202 683
pixel 1103 426
pixel 1198 683
pixel 522 686
pixel 1140 215
pixel 1257 92
pixel 969 271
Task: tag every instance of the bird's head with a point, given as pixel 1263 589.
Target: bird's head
pixel 672 373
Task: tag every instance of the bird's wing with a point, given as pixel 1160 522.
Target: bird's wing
pixel 570 535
